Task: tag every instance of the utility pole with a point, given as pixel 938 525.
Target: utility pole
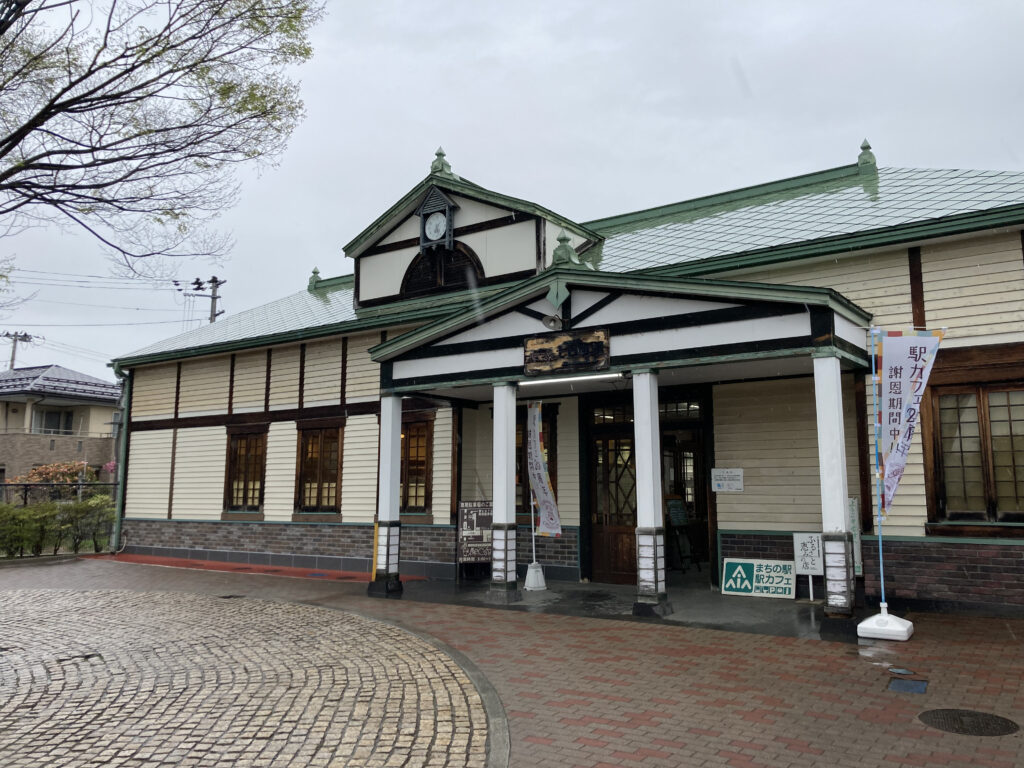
pixel 15 338
pixel 199 286
pixel 214 285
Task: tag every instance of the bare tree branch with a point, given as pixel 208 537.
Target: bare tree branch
pixel 127 117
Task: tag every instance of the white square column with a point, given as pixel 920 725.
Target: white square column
pixel 386 582
pixel 504 586
pixel 836 538
pixel 652 596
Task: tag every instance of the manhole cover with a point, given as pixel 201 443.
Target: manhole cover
pixel 968 722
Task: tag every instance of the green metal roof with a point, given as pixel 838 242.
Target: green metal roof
pixel 833 210
pixel 324 309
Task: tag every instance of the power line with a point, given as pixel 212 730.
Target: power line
pixel 103 306
pixel 93 285
pixel 75 274
pixel 102 325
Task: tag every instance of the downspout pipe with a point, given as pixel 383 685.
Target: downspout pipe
pixel 122 455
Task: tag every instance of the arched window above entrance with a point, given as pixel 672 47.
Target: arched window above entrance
pixel 440 269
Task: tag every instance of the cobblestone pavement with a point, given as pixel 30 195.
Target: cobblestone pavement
pixel 115 678
pixel 595 693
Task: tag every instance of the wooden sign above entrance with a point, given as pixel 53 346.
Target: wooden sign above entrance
pixel 567 352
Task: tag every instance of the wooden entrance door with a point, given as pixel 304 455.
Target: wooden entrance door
pixel 613 521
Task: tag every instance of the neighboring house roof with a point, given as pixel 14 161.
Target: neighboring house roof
pixel 58 381
pixel 832 211
pixel 827 212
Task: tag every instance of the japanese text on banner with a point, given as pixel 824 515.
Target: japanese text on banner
pixel 540 481
pixel 905 364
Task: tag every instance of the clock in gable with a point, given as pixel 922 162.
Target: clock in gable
pixel 437 219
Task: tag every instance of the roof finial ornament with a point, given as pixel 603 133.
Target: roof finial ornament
pixel 866 156
pixel 314 278
pixel 440 165
pixel 564 254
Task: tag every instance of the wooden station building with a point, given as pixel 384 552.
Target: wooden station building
pixel 728 331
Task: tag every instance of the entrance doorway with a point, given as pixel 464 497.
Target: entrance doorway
pixel 612 486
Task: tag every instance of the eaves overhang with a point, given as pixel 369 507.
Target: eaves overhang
pixel 640 283
pixel 901 234
pixel 370 320
pixel 449 183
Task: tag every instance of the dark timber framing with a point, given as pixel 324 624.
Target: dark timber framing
pixel 916 287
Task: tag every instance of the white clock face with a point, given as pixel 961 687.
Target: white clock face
pixel 436 225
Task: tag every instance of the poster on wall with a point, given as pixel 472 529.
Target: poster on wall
pixel 726 480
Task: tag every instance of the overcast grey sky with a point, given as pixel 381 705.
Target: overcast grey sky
pixel 588 108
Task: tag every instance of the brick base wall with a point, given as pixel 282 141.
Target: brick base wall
pixel 747 546
pixel 757 547
pixel 947 572
pixel 426 550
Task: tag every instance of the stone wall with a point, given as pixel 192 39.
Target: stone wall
pixel 20 451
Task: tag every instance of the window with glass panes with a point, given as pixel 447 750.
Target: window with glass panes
pixel 414 489
pixel 980 455
pixel 319 486
pixel 246 462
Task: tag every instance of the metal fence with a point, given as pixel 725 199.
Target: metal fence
pixel 26 494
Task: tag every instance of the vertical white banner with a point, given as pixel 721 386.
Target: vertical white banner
pixel 906 364
pixel 540 481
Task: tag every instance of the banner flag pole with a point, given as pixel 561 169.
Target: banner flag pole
pixel 907 360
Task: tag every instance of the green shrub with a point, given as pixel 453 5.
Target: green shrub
pixel 15 530
pixel 87 519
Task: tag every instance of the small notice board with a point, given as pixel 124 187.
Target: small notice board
pixel 474 532
pixel 758 578
pixel 808 554
pixel 726 480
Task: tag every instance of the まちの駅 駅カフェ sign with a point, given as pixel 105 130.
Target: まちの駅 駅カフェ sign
pixel 566 352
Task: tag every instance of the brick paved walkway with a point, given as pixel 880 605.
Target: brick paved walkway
pixel 139 678
pixel 595 693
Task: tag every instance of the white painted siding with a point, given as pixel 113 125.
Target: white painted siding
pixel 250 382
pixel 282 451
pixel 769 430
pixel 975 288
pixel 877 282
pixel 477 451
pixel 359 472
pixel 322 378
pixel 149 476
pixel 363 381
pixel 568 491
pixel 407 229
pixel 204 386
pixel 505 250
pixel 474 212
pixel 284 378
pixel 443 460
pixel 199 461
pixel 381 275
pixel 153 391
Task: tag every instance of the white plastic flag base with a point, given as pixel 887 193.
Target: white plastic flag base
pixel 882 626
pixel 535 578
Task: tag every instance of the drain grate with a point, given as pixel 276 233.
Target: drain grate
pixel 901 685
pixel 968 722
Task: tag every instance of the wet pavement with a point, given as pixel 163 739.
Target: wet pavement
pixel 572 690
